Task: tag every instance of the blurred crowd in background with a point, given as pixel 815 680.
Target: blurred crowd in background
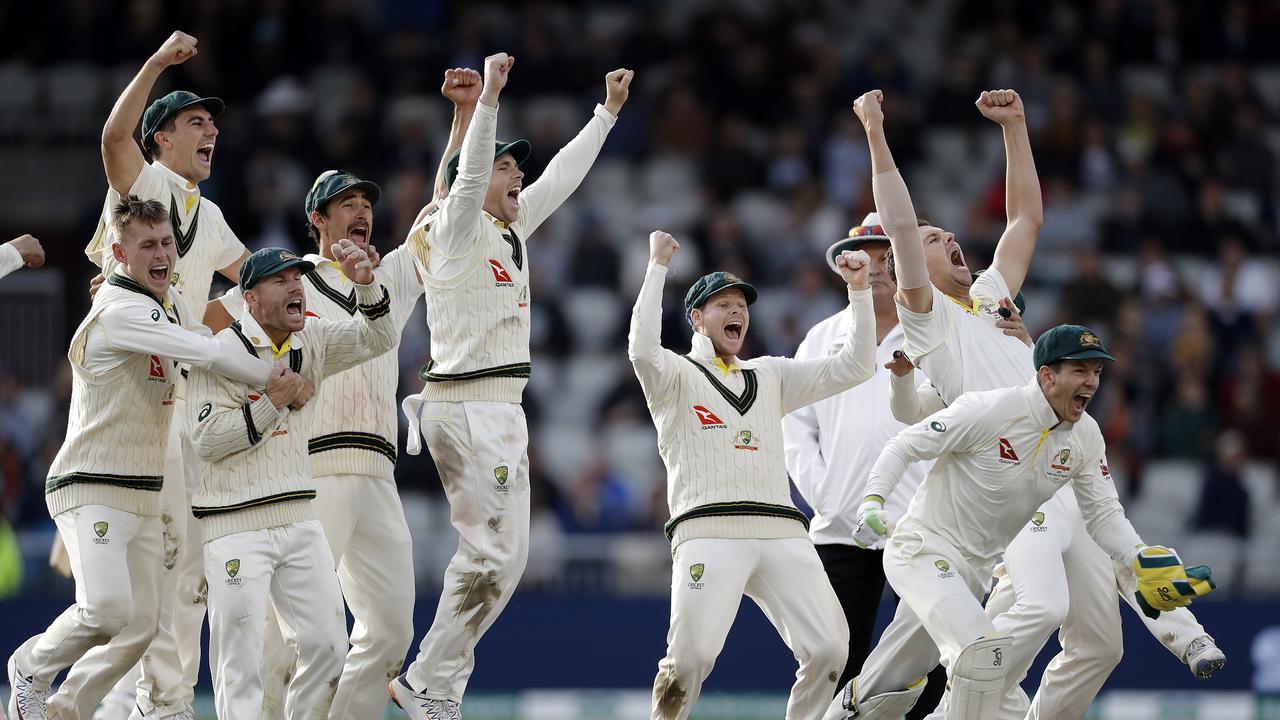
pixel 1154 127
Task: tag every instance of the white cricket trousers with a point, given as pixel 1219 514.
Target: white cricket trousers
pixel 290 568
pixel 364 523
pixel 165 678
pixel 939 614
pixel 115 559
pixel 1056 576
pixel 785 578
pixel 481 452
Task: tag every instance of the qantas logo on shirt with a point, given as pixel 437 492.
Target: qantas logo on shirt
pixel 157 368
pixel 1007 455
pixel 501 278
pixel 708 419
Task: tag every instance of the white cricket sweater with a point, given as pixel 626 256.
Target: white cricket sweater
pixel 255 472
pixel 10 259
pixel 354 430
pixel 720 434
pixel 475 268
pixel 124 359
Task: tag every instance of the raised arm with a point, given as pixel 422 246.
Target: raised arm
pixel 1023 205
pixel 461 86
pixel 374 332
pixel 800 436
pixel 808 381
pixel 653 364
pixel 121 156
pixel 893 203
pixel 137 328
pixel 567 169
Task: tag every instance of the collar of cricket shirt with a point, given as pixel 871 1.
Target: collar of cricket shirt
pixel 253 332
pixel 1041 411
pixel 705 351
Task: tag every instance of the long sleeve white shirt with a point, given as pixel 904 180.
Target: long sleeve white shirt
pixel 10 259
pixel 1000 455
pixel 831 445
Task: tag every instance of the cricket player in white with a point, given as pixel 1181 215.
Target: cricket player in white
pixel 733 528
pixel 471 255
pixel 262 541
pixel 22 251
pixel 104 485
pixel 1000 455
pixel 178 136
pixel 352 452
pixel 831 445
pixel 948 319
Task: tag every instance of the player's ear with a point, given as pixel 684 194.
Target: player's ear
pixel 318 220
pixel 117 252
pixel 695 318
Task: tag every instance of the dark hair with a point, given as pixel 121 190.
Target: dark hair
pixel 888 254
pixel 312 231
pixel 131 209
pixel 149 143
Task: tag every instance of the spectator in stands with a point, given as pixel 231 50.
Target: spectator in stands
pixel 1224 503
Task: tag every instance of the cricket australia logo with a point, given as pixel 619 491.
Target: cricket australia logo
pixel 944 569
pixel 100 529
pixel 746 440
pixel 501 473
pixel 233 569
pixel 1061 459
pixel 695 572
pixel 1037 521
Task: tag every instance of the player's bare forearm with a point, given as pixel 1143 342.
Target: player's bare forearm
pixel 878 146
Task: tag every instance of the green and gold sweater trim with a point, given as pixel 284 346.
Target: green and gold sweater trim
pixel 151 483
pixel 736 508
pixel 210 511
pixel 354 440
pixel 514 370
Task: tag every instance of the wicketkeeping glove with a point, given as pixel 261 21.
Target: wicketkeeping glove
pixel 874 524
pixel 1163 582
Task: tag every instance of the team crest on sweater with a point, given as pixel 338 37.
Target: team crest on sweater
pixel 746 440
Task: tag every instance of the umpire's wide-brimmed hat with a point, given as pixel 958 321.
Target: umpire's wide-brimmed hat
pixel 332 183
pixel 267 262
pixel 868 232
pixel 159 112
pixel 519 149
pixel 712 283
pixel 1069 342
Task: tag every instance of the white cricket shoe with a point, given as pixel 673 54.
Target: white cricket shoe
pixel 420 707
pixel 1204 658
pixel 25 702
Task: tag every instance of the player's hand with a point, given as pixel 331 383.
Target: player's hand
pixel 179 48
pixel 873 525
pixel 661 247
pixel 96 284
pixel 30 249
pixel 1000 106
pixel 354 262
pixel 374 258
pixel 617 88
pixel 283 385
pixel 496 69
pixel 462 86
pixel 304 393
pixel 1163 582
pixel 869 108
pixel 900 365
pixel 855 267
pixel 1011 322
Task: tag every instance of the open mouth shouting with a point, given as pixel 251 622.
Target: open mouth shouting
pixel 358 232
pixel 1080 402
pixel 159 272
pixel 733 330
pixel 204 154
pixel 294 310
pixel 957 257
pixel 513 193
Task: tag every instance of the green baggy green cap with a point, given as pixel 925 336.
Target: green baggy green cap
pixel 712 283
pixel 519 149
pixel 331 183
pixel 267 262
pixel 1069 342
pixel 159 112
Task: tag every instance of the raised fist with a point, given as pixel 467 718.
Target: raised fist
pixel 30 249
pixel 1000 106
pixel 868 108
pixel 179 48
pixel 496 69
pixel 661 247
pixel 854 266
pixel 617 87
pixel 462 86
pixel 354 261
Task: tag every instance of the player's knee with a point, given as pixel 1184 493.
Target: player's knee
pixel 392 635
pixel 1102 654
pixel 324 650
pixel 1047 611
pixel 827 657
pixel 693 662
pixel 110 614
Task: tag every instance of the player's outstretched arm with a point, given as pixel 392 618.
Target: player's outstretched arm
pixel 142 328
pixel 1023 204
pixel 644 339
pixel 893 203
pixel 567 169
pixel 121 156
pixel 462 87
pixel 23 250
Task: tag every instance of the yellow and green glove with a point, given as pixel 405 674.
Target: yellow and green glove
pixel 1163 582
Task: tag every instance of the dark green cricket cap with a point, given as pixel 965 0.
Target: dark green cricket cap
pixel 519 149
pixel 267 262
pixel 159 112
pixel 331 183
pixel 1069 342
pixel 712 283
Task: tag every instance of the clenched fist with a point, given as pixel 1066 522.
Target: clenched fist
pixel 496 69
pixel 869 110
pixel 179 48
pixel 854 266
pixel 30 249
pixel 662 247
pixel 461 86
pixel 617 87
pixel 1000 106
pixel 355 262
